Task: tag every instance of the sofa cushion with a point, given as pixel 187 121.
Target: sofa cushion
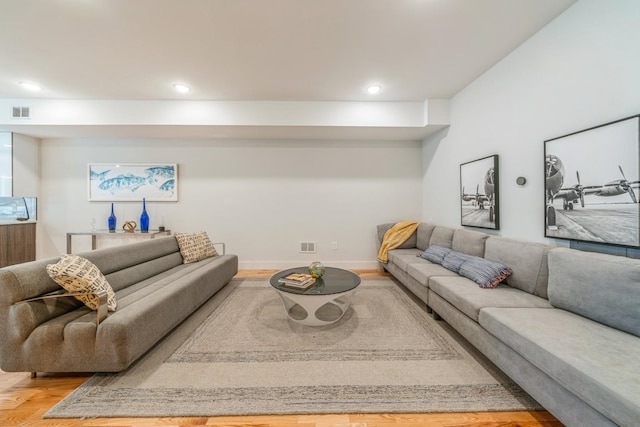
pixel 442 236
pixel 115 258
pixel 424 235
pixel 435 254
pixel 423 270
pixel 605 288
pixel 78 274
pixel 527 260
pixel 403 257
pixel 573 350
pixel 487 274
pixel 466 296
pixel 195 246
pixel 407 244
pixel 469 242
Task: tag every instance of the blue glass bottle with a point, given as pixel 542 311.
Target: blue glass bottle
pixel 112 221
pixel 144 218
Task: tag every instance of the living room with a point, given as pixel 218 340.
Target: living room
pixel 309 179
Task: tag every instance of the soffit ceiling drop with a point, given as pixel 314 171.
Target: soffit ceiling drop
pixel 253 50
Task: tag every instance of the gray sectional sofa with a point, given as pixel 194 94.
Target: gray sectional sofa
pixel 155 291
pixel 565 325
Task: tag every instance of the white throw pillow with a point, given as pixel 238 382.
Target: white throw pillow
pixel 195 246
pixel 77 274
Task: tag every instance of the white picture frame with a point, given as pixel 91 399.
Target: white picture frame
pixel 131 182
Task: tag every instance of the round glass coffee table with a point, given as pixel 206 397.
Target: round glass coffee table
pixel 322 303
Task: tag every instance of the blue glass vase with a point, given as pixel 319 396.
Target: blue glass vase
pixel 144 218
pixel 112 221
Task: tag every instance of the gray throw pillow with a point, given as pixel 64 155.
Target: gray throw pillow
pixel 487 274
pixel 453 260
pixel 435 254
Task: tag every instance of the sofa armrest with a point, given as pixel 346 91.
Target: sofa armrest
pixel 101 312
pixel 222 245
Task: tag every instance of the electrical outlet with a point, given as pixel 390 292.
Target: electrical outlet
pixel 334 246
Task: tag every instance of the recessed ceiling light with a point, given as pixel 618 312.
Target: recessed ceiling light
pixel 31 86
pixel 181 88
pixel 373 89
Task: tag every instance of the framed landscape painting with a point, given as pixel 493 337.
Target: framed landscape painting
pixel 480 193
pixel 591 182
pixel 133 182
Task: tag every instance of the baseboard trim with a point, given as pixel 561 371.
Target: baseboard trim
pixel 282 265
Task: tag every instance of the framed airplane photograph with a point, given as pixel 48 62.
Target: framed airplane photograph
pixel 479 193
pixel 591 184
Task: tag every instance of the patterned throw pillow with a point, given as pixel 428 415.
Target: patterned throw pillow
pixel 487 274
pixel 195 246
pixel 435 254
pixel 77 274
pixel 453 260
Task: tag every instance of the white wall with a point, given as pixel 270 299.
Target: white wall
pixel 260 197
pixel 25 166
pixel 579 71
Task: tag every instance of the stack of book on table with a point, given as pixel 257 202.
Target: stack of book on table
pixel 297 280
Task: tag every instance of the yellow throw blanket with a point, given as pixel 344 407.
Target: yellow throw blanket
pixel 394 237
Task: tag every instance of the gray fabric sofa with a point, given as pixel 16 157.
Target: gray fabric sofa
pixel 155 291
pixel 565 325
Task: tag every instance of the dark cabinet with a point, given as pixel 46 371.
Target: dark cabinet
pixel 17 243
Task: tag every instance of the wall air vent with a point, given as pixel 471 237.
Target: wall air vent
pixel 308 247
pixel 21 113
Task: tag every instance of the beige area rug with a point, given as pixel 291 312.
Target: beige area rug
pixel 241 355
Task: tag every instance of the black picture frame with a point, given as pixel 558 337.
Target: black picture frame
pixel 480 193
pixel 591 177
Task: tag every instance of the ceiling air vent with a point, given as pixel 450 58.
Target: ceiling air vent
pixel 21 113
pixel 308 247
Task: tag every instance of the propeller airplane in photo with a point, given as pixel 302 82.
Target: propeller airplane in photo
pixel 478 198
pixel 554 181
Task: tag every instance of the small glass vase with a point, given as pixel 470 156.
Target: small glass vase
pixel 112 221
pixel 144 218
pixel 316 269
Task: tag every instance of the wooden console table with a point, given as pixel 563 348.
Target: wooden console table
pixel 94 234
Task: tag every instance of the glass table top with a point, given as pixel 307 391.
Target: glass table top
pixel 334 281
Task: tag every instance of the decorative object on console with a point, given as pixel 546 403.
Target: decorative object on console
pixel 144 217
pixel 480 208
pixel 77 274
pixel 316 269
pixel 594 170
pixel 129 226
pixel 133 182
pixel 195 246
pixel 112 221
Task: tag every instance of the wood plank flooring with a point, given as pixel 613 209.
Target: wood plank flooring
pixel 24 400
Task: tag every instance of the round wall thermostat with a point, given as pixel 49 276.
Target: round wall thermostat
pixel 521 180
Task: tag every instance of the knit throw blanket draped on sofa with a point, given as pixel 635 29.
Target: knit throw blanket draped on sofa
pixel 396 236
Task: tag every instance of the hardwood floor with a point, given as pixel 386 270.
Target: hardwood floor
pixel 24 400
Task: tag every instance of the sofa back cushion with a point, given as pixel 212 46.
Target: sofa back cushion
pixel 442 236
pixel 604 288
pixel 469 242
pixel 424 235
pixel 128 264
pixel 527 260
pixel 408 244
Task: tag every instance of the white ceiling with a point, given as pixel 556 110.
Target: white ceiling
pixel 257 50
